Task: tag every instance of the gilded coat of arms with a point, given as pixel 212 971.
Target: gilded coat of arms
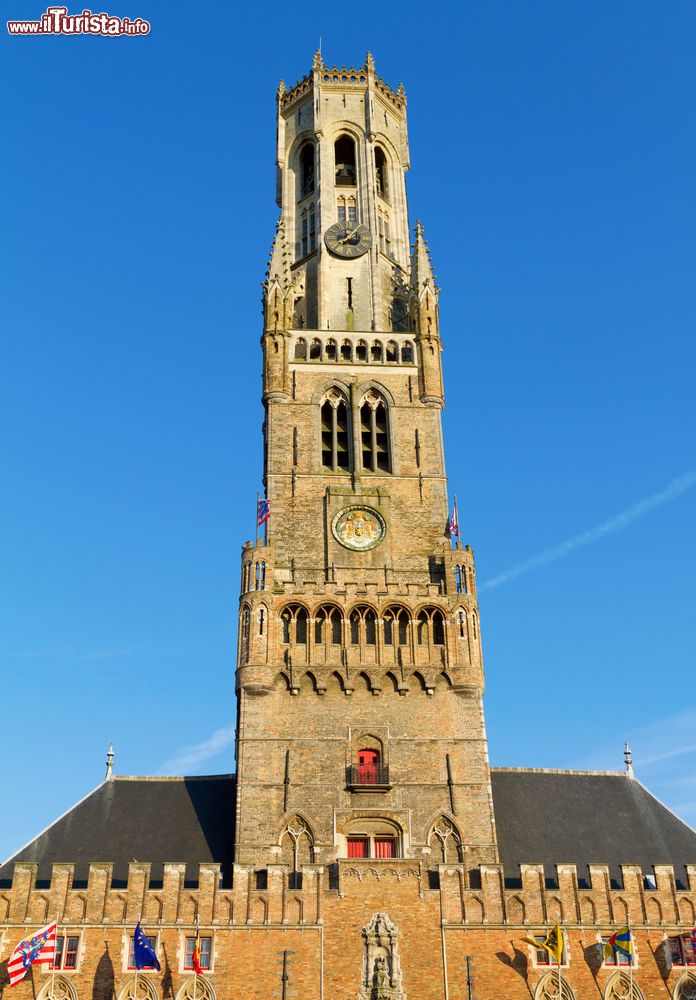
pixel 359 528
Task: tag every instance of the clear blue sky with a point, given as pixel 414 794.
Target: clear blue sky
pixel 554 157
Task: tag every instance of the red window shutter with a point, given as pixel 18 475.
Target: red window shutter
pixel 368 767
pixel 357 847
pixel 385 847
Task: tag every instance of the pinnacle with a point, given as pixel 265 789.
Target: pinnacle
pixel 421 266
pixel 279 261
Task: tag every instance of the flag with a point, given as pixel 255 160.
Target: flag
pixel 693 941
pixel 263 511
pixel 621 941
pixel 145 957
pixel 40 947
pixel 196 956
pixel 553 943
pixel 454 523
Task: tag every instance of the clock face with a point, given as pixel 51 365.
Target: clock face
pixel 348 239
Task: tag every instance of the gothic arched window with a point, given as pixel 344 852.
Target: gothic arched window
pixel 445 842
pixel 294 625
pixel 301 349
pixel 361 351
pixel 335 441
pixel 374 433
pixel 246 621
pixel 407 353
pixel 327 626
pixel 381 173
pixel 431 628
pixel 344 151
pixel 315 350
pixel 306 170
pixel 363 626
pixel 297 849
pixel 330 350
pixel 396 627
pixel 376 351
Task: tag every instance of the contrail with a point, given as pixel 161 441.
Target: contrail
pixel 675 489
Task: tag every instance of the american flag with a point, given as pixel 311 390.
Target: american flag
pixel 40 947
pixel 263 511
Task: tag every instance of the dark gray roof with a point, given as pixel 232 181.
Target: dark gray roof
pixel 585 818
pixel 543 817
pixel 140 819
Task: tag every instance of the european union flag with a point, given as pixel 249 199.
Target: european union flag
pixel 145 957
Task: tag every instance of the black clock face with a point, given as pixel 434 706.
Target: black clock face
pixel 348 239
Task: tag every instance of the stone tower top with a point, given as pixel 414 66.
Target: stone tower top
pixel 342 155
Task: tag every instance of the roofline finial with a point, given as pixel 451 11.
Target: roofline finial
pixel 110 763
pixel 628 757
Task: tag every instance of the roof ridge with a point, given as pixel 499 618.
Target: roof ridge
pixel 171 777
pixel 558 770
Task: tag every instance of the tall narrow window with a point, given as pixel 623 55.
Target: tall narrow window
pixel 246 616
pixel 462 625
pixel 374 433
pixel 335 450
pixel 312 229
pixel 306 170
pixel 381 174
pixel 344 149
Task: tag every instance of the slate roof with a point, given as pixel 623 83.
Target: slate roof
pixel 542 817
pixel 187 820
pixel 586 817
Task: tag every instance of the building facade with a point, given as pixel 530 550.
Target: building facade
pixel 365 848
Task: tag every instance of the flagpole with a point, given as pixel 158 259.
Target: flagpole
pixel 53 963
pixel 560 959
pixel 195 945
pixel 630 963
pixel 456 518
pixel 258 500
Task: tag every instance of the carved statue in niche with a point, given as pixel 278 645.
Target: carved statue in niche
pixel 381 978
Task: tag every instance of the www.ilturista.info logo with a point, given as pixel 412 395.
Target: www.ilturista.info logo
pixel 57 21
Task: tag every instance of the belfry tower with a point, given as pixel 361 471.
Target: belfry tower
pixel 359 680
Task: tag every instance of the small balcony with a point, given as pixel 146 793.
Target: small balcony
pixel 368 777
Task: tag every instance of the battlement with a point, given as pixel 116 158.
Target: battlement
pixel 276 895
pixel 341 77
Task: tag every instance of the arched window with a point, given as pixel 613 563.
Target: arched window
pixel 330 350
pixel 344 151
pixel 462 625
pixel 445 842
pixel 547 989
pixel 257 576
pixel 474 625
pixel 306 170
pixel 315 350
pixel 376 351
pixel 294 622
pixel 396 627
pixel 431 627
pixel 622 986
pixel 381 173
pixel 301 349
pixel 372 838
pixel 335 445
pixel 363 626
pixel 458 579
pixel 361 351
pixel 392 351
pixel 327 626
pixel 686 987
pixel 263 575
pixel 346 351
pixel 369 767
pixel 407 353
pixel 374 433
pixel 297 849
pixel 246 622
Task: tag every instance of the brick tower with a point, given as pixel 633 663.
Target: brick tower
pixel 359 680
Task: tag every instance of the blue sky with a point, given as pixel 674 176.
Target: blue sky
pixel 553 156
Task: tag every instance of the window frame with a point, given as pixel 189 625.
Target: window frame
pixel 684 945
pixel 63 952
pixel 153 941
pixel 187 963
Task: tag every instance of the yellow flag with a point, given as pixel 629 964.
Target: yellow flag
pixel 553 943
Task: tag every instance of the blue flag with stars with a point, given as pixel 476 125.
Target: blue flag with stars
pixel 145 957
